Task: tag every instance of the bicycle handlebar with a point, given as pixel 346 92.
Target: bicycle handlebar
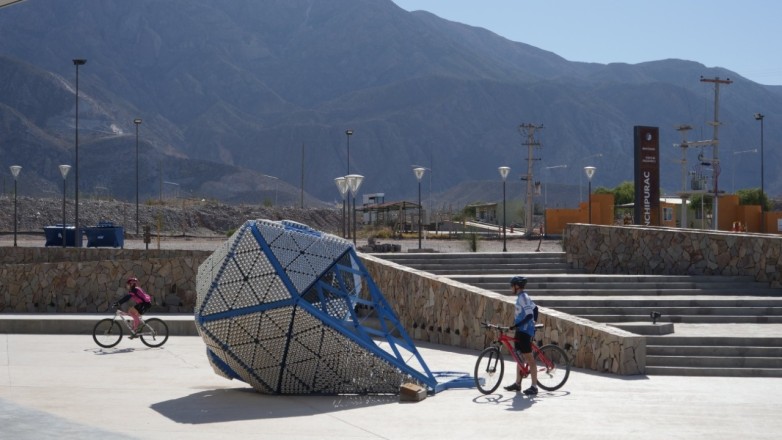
pixel 504 328
pixel 495 326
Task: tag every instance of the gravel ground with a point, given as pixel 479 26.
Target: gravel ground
pixel 208 244
pixel 203 225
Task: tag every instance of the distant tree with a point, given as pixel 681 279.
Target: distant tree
pixel 753 196
pixel 696 199
pixel 623 193
pixel 469 212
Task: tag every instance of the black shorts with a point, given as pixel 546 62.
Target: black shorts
pixel 523 342
pixel 142 307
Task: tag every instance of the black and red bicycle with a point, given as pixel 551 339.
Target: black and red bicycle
pixel 550 360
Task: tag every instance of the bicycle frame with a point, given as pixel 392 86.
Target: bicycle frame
pixel 107 332
pixel 127 319
pixel 551 363
pixel 508 342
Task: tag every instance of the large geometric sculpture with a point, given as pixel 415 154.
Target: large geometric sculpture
pixel 280 306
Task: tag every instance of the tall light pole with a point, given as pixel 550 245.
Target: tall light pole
pixel 419 174
pixel 342 186
pixel 137 121
pixel 760 117
pixel 348 134
pixel 354 182
pixel 77 62
pixel 64 171
pixel 15 169
pixel 590 171
pixel 504 174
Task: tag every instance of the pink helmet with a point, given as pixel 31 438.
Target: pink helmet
pixel 133 280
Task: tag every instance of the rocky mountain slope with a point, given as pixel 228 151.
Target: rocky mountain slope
pixel 200 219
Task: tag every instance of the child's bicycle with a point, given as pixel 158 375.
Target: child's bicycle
pixel 107 333
pixel 550 360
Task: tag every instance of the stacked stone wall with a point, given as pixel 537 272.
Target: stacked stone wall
pixel 443 311
pixel 41 280
pixel 431 308
pixel 673 251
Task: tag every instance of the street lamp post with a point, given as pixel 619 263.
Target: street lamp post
pixel 354 182
pixel 581 180
pixel 137 121
pixel 15 169
pixel 760 117
pixel 430 190
pixel 419 174
pixel 64 171
pixel 348 134
pixel 342 186
pixel 77 63
pixel 590 171
pixel 504 174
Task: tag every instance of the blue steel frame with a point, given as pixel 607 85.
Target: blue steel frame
pixel 335 304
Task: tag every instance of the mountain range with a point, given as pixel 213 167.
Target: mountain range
pixel 249 101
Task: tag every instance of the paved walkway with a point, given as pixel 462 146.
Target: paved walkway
pixel 66 387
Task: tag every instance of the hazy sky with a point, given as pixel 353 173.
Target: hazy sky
pixel 742 36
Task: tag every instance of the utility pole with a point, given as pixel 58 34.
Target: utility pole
pixel 715 163
pixel 528 130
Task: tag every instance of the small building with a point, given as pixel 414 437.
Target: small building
pixel 485 212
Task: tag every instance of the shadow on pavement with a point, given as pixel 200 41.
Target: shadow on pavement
pixel 228 405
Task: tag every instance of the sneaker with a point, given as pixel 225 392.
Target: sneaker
pixel 513 387
pixel 133 336
pixel 531 391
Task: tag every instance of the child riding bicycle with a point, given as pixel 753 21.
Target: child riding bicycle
pixel 142 302
pixel 524 323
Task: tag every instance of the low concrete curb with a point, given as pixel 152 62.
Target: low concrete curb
pixel 82 324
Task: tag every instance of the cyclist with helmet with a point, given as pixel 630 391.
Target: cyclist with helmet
pixel 142 302
pixel 524 323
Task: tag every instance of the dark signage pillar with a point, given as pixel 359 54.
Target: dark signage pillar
pixel 647 176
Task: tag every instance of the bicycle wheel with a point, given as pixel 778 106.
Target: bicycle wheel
pixel 154 332
pixel 107 333
pixel 553 367
pixel 489 370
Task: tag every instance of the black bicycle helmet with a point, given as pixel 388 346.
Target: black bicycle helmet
pixel 518 281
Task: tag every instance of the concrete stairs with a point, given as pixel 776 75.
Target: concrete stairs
pixel 716 303
pixel 454 264
pixel 738 356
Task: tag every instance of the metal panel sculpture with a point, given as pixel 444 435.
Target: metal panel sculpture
pixel 278 308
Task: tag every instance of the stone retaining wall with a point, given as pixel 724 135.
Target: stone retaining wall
pixel 35 280
pixel 673 251
pixel 443 311
pixel 430 308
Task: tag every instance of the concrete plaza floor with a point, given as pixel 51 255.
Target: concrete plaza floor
pixel 66 387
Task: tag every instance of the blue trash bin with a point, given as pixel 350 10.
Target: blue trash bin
pixel 54 236
pixel 105 234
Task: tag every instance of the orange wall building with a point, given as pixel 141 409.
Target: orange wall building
pixel 602 214
pixel 731 215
